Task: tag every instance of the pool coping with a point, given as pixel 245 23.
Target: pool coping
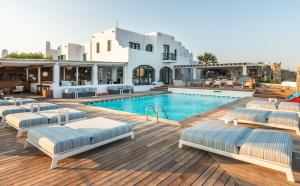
pixel 160 120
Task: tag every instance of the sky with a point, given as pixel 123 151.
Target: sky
pixel 233 30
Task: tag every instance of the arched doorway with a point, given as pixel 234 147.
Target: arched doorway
pixel 166 75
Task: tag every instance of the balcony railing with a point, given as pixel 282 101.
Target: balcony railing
pixel 169 56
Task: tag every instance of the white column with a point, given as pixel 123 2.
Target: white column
pixel 125 74
pixel 95 75
pixel 77 76
pixel 194 73
pixel 27 74
pixel 64 73
pixel 39 75
pixel 55 84
pixel 245 70
pixel 114 73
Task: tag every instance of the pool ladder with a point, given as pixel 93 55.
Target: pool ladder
pixel 156 111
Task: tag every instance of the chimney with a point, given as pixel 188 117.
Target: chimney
pixel 4 53
pixel 48 48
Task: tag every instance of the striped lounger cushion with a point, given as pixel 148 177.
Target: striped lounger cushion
pixel 269 145
pixel 11 109
pixel 284 118
pixel 215 135
pixel 23 101
pixel 247 114
pixel 52 115
pixel 57 139
pixel 43 106
pixel 262 104
pixel 100 129
pixel 25 119
pixel 289 106
pixel 4 103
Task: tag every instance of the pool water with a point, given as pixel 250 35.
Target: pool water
pixel 176 106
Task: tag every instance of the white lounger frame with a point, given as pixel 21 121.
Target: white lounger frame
pixel 287 169
pixel 268 125
pixel 64 112
pixel 60 156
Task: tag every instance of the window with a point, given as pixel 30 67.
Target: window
pixel 62 57
pixel 149 48
pixel 143 75
pixel 109 45
pixel 84 57
pixel 166 49
pixel 133 45
pixel 98 47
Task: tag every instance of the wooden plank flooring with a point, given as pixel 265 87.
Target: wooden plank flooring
pixel 152 158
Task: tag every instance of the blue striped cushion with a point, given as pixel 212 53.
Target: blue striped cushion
pixel 11 109
pixel 284 118
pixel 269 145
pixel 216 135
pixel 25 119
pixel 100 129
pixel 52 115
pixel 4 103
pixel 57 139
pixel 250 114
pixel 289 106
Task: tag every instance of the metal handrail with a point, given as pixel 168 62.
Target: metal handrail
pixel 162 108
pixel 156 111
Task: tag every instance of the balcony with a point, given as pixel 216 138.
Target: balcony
pixel 169 57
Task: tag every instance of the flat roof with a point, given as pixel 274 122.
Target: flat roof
pixel 47 62
pixel 217 65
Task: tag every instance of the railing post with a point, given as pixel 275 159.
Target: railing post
pixel 147 113
pixel 157 114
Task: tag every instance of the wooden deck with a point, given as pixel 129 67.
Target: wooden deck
pixel 152 158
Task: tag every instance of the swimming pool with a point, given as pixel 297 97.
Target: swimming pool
pixel 176 106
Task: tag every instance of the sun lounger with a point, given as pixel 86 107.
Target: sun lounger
pixel 262 104
pixel 60 142
pixel 34 107
pixel 20 101
pixel 289 106
pixel 274 105
pixel 29 107
pixel 11 109
pixel 4 102
pixel 261 147
pixel 26 120
pixel 276 119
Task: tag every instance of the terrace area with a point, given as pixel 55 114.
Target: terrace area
pixel 152 158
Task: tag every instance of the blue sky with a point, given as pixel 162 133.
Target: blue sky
pixel 234 30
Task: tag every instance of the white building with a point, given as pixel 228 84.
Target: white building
pixel 150 57
pixel 115 56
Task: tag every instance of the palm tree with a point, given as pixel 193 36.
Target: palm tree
pixel 207 58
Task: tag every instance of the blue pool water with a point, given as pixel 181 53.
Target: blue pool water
pixel 177 106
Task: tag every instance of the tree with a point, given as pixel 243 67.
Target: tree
pixel 27 55
pixel 207 58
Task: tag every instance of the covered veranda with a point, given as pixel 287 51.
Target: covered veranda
pixel 33 76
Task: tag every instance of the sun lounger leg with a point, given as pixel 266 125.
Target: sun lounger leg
pixel 235 122
pixel 297 131
pixel 132 135
pixel 289 175
pixel 27 144
pixel 19 134
pixel 53 163
pixel 2 120
pixel 180 144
